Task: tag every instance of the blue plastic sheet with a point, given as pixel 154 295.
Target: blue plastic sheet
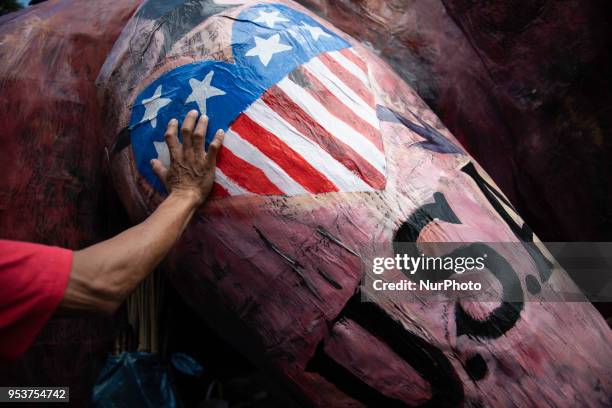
pixel 186 365
pixel 134 380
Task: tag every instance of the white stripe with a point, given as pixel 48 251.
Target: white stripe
pixel 251 154
pixel 318 158
pixel 354 51
pixel 340 130
pixel 342 91
pixel 228 184
pixel 350 66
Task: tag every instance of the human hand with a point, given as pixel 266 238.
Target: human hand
pixel 192 171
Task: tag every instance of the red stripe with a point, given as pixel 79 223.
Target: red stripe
pixel 218 191
pixel 292 113
pixel 285 157
pixel 245 174
pixel 350 55
pixel 349 79
pixel 339 110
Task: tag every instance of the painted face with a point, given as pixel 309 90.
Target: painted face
pixel 329 159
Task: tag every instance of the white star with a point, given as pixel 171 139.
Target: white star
pixel 202 90
pixel 269 18
pixel 266 48
pixel 153 105
pixel 163 155
pixel 315 32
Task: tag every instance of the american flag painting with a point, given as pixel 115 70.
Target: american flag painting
pixel 296 103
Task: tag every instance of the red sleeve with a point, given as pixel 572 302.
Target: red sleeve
pixel 33 279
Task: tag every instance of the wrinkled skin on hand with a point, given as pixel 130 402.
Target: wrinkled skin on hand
pixel 191 171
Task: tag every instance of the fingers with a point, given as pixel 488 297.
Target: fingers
pixel 213 148
pixel 187 133
pixel 198 137
pixel 159 169
pixel 172 140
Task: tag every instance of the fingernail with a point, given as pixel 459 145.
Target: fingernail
pixel 193 111
pixel 173 121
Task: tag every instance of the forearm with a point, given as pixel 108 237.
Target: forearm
pixel 130 256
pixel 104 274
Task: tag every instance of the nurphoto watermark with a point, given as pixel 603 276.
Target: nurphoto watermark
pixel 489 272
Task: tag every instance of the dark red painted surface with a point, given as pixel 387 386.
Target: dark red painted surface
pixel 53 188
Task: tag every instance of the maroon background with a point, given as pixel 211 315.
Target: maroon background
pixel 53 188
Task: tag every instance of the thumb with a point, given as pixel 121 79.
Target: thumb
pixel 159 169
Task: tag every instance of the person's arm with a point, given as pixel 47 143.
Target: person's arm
pixel 104 274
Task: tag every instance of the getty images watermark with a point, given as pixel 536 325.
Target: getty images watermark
pixel 422 264
pixel 488 271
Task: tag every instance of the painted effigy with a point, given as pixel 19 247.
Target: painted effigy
pixel 330 156
pixel 275 266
